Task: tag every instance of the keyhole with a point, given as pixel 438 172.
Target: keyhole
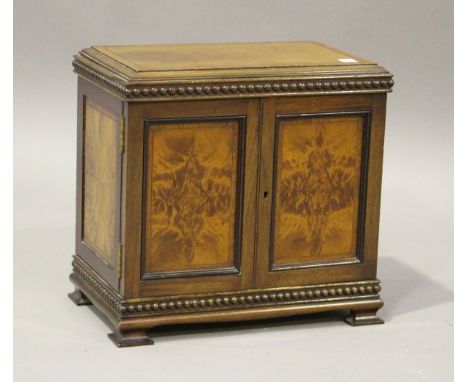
pixel 265 194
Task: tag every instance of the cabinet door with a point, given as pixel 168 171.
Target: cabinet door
pixel 320 183
pixel 198 190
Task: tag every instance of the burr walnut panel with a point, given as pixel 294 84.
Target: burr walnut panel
pixel 100 180
pixel 192 208
pixel 318 172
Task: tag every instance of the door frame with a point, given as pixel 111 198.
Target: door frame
pixel 140 115
pixel 364 265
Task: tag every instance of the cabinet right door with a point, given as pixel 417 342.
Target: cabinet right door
pixel 320 183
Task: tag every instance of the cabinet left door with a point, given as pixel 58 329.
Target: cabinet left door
pixel 99 168
pixel 190 197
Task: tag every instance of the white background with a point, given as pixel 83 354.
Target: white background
pixel 56 341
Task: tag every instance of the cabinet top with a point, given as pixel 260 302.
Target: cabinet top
pixel 228 69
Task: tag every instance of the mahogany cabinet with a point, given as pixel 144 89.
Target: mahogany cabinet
pixel 224 182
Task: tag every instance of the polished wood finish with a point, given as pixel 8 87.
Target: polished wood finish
pixel 101 157
pixel 318 168
pixel 99 181
pixel 361 262
pixel 143 62
pixel 192 194
pixel 225 182
pixel 137 314
pixel 237 121
pixel 213 71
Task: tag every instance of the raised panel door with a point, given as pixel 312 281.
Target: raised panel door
pixel 195 231
pixel 320 185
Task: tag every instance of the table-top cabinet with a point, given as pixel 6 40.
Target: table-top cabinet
pixel 224 182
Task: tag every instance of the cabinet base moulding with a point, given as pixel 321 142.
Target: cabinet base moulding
pixel 132 317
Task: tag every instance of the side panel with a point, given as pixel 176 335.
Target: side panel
pixel 321 164
pixel 99 180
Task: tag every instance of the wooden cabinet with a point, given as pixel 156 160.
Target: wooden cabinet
pixel 227 182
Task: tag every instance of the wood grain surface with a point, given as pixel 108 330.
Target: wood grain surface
pixel 100 185
pixel 183 57
pixel 317 196
pixel 191 195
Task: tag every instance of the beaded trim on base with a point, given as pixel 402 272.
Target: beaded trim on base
pixel 225 301
pixel 259 298
pixel 95 282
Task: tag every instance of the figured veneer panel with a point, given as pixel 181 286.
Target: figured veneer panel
pixel 318 172
pixel 100 180
pixel 192 191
